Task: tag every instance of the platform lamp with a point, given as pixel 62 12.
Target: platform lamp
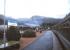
pixel 4 35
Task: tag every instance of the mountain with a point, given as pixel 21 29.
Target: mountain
pixel 37 20
pixel 10 20
pixel 1 19
pixel 22 21
pixel 33 21
pixel 52 20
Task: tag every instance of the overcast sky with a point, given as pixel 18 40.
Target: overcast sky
pixel 29 8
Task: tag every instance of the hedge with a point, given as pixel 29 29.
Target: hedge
pixel 13 34
pixel 29 33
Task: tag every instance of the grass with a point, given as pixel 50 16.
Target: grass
pixel 1 42
pixel 12 42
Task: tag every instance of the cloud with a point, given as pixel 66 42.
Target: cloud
pixel 28 8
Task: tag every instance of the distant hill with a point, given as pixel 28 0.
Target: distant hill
pixel 6 19
pixel 52 20
pixel 33 21
pixel 22 21
pixel 37 20
pixel 1 19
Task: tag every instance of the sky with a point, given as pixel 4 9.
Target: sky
pixel 29 8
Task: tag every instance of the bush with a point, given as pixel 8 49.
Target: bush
pixel 13 34
pixel 29 33
pixel 1 34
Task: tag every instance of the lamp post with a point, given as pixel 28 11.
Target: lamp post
pixel 4 36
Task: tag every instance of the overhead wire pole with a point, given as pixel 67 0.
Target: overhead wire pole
pixel 4 36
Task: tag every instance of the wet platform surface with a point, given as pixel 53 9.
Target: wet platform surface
pixel 45 42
